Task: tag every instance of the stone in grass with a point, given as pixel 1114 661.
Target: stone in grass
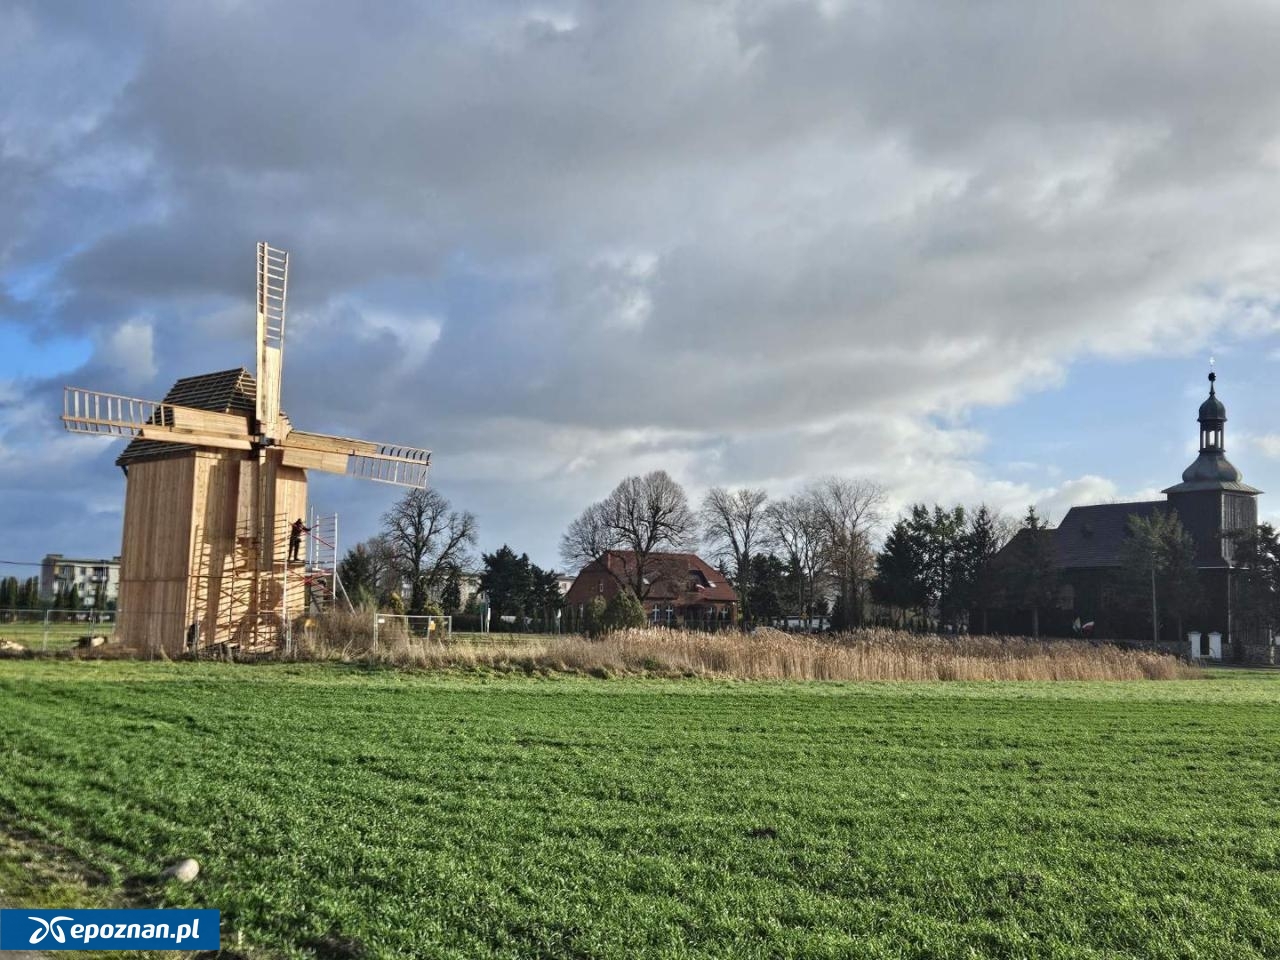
pixel 184 871
pixel 92 641
pixel 11 646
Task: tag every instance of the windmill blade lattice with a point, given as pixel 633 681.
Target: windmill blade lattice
pixel 273 290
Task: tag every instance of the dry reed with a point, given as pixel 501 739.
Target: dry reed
pixel 876 654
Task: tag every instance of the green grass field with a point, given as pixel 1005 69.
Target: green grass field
pixel 341 811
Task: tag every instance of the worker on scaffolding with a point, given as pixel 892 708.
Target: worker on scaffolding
pixel 295 538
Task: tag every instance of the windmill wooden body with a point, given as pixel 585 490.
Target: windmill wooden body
pixel 215 476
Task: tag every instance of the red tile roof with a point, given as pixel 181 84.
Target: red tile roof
pixel 677 579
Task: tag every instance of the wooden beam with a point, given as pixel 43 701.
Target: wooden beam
pixel 208 421
pixel 300 439
pixel 169 435
pixel 316 460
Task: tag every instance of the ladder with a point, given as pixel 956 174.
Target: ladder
pixel 273 278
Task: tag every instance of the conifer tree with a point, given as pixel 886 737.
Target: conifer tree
pixel 979 586
pixel 1158 570
pixel 1033 576
pixel 898 581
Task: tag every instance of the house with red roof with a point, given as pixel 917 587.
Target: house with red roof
pixel 678 589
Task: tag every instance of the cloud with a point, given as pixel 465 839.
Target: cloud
pixel 558 243
pixel 129 351
pixel 1265 444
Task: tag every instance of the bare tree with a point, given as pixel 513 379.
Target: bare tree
pixel 794 528
pixel 588 536
pixel 642 515
pixel 847 511
pixel 733 525
pixel 427 538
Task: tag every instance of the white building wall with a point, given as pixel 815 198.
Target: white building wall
pixel 88 575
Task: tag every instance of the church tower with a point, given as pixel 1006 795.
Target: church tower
pixel 1213 500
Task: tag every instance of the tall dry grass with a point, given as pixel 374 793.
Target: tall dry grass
pixel 352 635
pixel 768 655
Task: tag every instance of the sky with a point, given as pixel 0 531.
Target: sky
pixel 975 252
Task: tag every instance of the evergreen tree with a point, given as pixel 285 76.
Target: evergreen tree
pixel 939 534
pixel 769 575
pixel 507 582
pixel 593 616
pixel 978 586
pixel 8 593
pixel 1257 580
pixel 899 582
pixel 73 598
pixel 355 572
pixel 545 598
pixel 1033 576
pixel 367 574
pixel 623 612
pixel 451 595
pixel 1158 572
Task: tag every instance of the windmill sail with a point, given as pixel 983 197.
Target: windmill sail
pixel 383 462
pixel 273 284
pixel 110 414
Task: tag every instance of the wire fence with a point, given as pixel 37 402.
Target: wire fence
pixel 57 629
pixel 264 632
pixel 387 626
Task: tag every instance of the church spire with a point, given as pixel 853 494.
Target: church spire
pixel 1213 417
pixel 1212 470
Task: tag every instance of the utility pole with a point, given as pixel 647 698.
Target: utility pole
pixel 1155 628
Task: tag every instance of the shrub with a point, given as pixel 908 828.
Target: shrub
pixel 593 617
pixel 623 612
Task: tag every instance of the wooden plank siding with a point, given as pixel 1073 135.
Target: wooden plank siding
pixel 187 558
pixel 155 553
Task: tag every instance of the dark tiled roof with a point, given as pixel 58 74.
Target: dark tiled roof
pixel 1088 537
pixel 1092 536
pixel 681 579
pixel 1230 486
pixel 1212 471
pixel 227 391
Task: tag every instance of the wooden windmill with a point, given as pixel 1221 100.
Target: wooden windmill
pixel 215 475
